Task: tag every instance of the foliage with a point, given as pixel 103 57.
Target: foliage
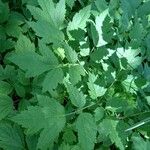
pixel 74 74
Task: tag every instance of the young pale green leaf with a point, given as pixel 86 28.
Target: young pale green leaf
pixel 79 20
pixel 131 55
pixel 6 106
pixel 52 79
pixel 95 90
pixel 99 23
pixel 87 130
pixel 77 98
pixel 10 138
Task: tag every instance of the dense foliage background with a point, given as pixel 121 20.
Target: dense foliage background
pixel 74 74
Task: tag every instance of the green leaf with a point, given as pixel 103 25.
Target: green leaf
pixel 49 20
pixel 99 24
pixel 139 143
pixel 10 138
pixel 69 136
pixel 70 3
pixel 94 33
pixel 5 88
pixel 75 73
pixel 4 12
pixel 48 117
pixel 6 106
pixel 71 55
pixel 86 131
pixel 77 98
pixel 47 52
pixel 115 130
pixel 143 10
pixel 47 31
pixel 101 5
pixel 131 55
pixel 24 44
pixel 48 12
pixel 79 20
pixel 99 54
pixel 32 63
pixel 95 90
pixel 99 113
pixel 60 12
pixel 30 119
pixel 55 115
pixel 52 79
pixel 13 29
pixel 31 142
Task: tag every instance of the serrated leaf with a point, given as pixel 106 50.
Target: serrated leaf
pixel 75 73
pixel 52 79
pixel 99 23
pixel 47 53
pixel 47 31
pixel 101 5
pixel 4 12
pixel 5 88
pixel 139 143
pixel 131 55
pixel 99 113
pixel 32 63
pixel 31 142
pixel 115 130
pixel 99 54
pixel 69 136
pixel 70 3
pixel 50 118
pixel 6 106
pixel 77 98
pixel 55 116
pixel 55 15
pixel 30 119
pixel 24 44
pixel 79 20
pixel 95 90
pixel 71 55
pixel 94 33
pixel 10 138
pixel 87 130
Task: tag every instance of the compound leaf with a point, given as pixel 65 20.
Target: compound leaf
pixel 87 130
